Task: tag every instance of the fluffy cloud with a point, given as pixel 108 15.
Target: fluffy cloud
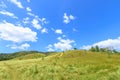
pixel 63 44
pixel 67 18
pixel 28 9
pixel 36 24
pixel 44 30
pixel 114 43
pixel 50 47
pixel 17 2
pixel 17 34
pixel 58 31
pixel 21 47
pixel 8 14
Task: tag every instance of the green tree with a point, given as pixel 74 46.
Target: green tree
pixel 97 48
pixel 114 51
pixel 75 48
pixel 102 49
pixel 92 49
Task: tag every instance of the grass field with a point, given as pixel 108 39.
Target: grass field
pixel 70 65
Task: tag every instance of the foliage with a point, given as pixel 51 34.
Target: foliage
pixel 98 49
pixel 92 49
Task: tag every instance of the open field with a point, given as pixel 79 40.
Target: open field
pixel 70 65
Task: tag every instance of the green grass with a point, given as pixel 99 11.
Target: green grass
pixel 72 65
pixel 30 56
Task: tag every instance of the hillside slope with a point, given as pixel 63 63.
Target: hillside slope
pixel 70 65
pixel 20 54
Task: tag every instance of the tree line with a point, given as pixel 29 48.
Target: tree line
pixel 107 49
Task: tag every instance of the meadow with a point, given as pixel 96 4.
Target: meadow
pixel 70 65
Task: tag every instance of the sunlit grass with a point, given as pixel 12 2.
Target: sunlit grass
pixel 72 65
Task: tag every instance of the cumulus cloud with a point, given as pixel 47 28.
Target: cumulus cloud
pixel 50 47
pixel 67 18
pixel 35 23
pixel 28 9
pixel 8 14
pixel 63 44
pixel 17 2
pixel 21 47
pixel 44 30
pixel 17 34
pixel 58 31
pixel 114 43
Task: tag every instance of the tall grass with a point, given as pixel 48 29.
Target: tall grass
pixel 72 65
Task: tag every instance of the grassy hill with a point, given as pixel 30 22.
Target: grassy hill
pixel 70 65
pixel 30 56
pixel 21 55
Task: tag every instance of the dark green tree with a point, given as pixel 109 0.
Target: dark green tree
pixel 114 51
pixel 97 49
pixel 75 48
pixel 92 49
pixel 102 49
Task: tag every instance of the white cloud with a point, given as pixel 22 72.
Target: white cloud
pixel 67 18
pixel 31 14
pixel 37 20
pixel 21 47
pixel 26 20
pixel 58 31
pixel 43 21
pixel 71 17
pixel 50 47
pixel 114 43
pixel 63 44
pixel 8 14
pixel 17 2
pixel 28 9
pixel 36 24
pixel 44 30
pixel 17 34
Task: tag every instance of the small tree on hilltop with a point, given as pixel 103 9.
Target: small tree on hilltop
pixel 97 49
pixel 92 49
pixel 75 48
pixel 102 49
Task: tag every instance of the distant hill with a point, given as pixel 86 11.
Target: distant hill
pixel 30 56
pixel 20 55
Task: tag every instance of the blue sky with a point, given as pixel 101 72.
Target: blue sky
pixel 57 25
